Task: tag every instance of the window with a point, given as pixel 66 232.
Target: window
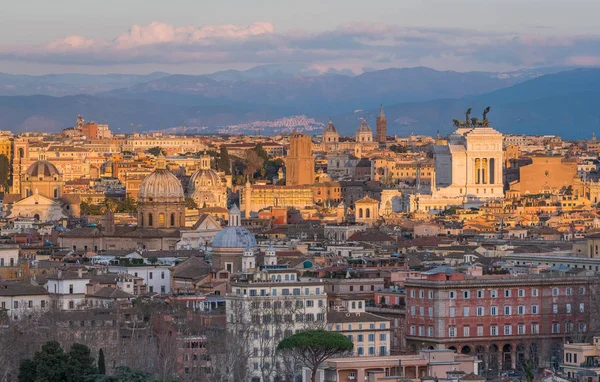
pixel 466 294
pixel 554 308
pixel 451 332
pixel 493 293
pixel 494 311
pixel 382 337
pixel 480 293
pixel 360 351
pixel 452 294
pixel 506 292
pixel 521 329
pixel 413 330
pixel 162 289
pixel 430 295
pixel 521 293
pixel 150 275
pixel 555 327
pixel 15 304
pixel 466 311
pixel 452 312
pixel 466 331
pixel 421 311
pixel 360 338
pixel 430 311
pixel 535 328
pixel 507 310
pixel 555 292
pixel 480 330
pixel 493 330
pixel 421 294
pixel 569 291
pixel 568 327
pixel 70 288
pixel 581 307
pixel 412 293
pixel 568 308
pixel 371 350
pixel 534 292
pixel 421 330
pixel 371 337
pixel 534 309
pixel 582 290
pixel 162 275
pixel 507 330
pixel 413 310
pixel 521 310
pixel 480 311
pixel 430 331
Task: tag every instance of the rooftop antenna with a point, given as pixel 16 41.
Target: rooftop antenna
pixel 132 128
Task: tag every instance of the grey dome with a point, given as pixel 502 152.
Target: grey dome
pixel 234 237
pixel 330 128
pixel 364 128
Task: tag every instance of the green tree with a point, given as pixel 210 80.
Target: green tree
pixel 223 163
pixel 51 363
pixel 81 363
pixel 253 162
pixel 27 371
pixel 101 364
pixel 156 151
pixel 4 171
pixel 126 374
pixel 313 347
pixel 190 203
pixel 261 152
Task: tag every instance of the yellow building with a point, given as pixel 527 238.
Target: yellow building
pixel 254 198
pixel 6 147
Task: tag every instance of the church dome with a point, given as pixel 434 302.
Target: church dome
pixel 234 237
pixel 42 168
pixel 364 128
pixel 330 128
pixel 203 178
pixel 161 185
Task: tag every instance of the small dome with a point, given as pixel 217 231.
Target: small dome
pixel 364 128
pixel 203 178
pixel 234 237
pixel 161 184
pixel 42 168
pixel 330 128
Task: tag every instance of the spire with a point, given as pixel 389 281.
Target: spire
pixel 161 161
pixel 381 113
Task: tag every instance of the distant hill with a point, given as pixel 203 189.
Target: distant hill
pixel 563 104
pixel 331 94
pixel 418 100
pixel 69 84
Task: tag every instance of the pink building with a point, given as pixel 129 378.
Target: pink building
pixel 503 320
pixel 428 363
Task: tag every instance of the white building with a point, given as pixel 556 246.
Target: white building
pixel 21 299
pixel 274 304
pixel 9 255
pixel 67 289
pixel 468 171
pixel 156 277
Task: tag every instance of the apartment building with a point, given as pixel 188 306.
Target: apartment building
pixel 273 309
pixel 21 299
pixel 503 320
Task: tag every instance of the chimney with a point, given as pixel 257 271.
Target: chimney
pixel 79 273
pixel 59 274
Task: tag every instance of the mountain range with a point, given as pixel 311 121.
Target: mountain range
pixel 420 100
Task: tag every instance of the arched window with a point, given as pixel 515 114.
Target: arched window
pixel 360 213
pixel 161 220
pixel 150 220
pixel 368 212
pixel 172 220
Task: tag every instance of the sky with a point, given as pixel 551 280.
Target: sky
pixel 200 36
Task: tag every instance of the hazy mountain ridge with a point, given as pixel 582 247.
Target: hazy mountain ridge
pixel 563 103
